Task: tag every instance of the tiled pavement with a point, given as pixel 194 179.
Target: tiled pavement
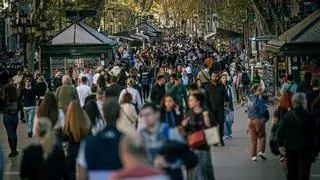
pixel 231 162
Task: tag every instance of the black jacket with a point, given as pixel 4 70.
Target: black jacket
pixel 41 88
pixel 157 92
pixel 29 97
pixel 91 108
pixel 296 132
pixel 217 96
pixel 114 90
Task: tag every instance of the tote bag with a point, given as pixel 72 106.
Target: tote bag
pixel 212 135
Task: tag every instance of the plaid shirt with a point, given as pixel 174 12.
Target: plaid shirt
pixel 154 142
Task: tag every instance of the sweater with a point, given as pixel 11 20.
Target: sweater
pixel 29 97
pixel 65 94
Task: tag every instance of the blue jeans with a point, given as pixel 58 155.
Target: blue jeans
pixel 228 124
pixel 29 113
pixel 11 123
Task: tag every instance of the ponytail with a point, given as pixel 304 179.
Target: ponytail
pixel 46 134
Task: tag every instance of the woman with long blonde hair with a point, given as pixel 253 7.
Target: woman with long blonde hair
pixel 77 126
pixel 45 160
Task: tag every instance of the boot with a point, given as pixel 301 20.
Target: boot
pixel 13 148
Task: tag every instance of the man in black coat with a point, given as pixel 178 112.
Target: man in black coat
pixel 217 101
pixel 90 105
pixel 115 88
pixel 158 90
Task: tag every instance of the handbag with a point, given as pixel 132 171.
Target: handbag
pixel 197 139
pixel 212 135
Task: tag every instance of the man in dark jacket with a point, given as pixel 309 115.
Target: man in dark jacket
pixel 90 105
pixel 29 95
pixel 158 90
pixel 217 100
pixel 295 136
pixel 115 88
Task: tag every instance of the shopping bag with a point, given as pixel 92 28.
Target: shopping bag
pixel 212 135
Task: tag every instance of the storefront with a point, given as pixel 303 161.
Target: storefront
pixel 303 57
pixel 79 46
pixel 88 56
pixel 297 50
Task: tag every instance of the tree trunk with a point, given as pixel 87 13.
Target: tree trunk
pixel 259 8
pixel 30 51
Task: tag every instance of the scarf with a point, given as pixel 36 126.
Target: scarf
pixel 172 118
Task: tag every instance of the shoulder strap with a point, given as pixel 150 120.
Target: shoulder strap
pixel 127 116
pixel 204 75
pixel 290 86
pixel 295 116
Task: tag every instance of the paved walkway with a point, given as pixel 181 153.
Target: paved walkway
pixel 231 162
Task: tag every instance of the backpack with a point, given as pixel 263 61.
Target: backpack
pixel 252 107
pixel 12 108
pixel 145 79
pixel 245 79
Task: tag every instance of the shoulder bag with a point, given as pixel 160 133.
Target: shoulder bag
pixel 196 139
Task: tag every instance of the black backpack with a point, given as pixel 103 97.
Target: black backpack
pixel 12 108
pixel 245 79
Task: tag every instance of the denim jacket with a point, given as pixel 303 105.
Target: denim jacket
pixel 256 107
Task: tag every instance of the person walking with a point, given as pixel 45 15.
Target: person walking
pixel 97 75
pixel 145 83
pixel 198 119
pixel 169 85
pixel 204 77
pixel 135 164
pixel 10 116
pixel 91 107
pixel 296 135
pixel 290 85
pixel 217 101
pixel 44 160
pixel 128 119
pixel 229 111
pixel 158 90
pixel 155 136
pixel 57 81
pixel 136 98
pixel 83 90
pixel 93 162
pixel 180 94
pixel 114 89
pixel 41 87
pixel 284 106
pixel 170 111
pixel 77 126
pixel 29 96
pixel 49 108
pixel 66 93
pixel 256 125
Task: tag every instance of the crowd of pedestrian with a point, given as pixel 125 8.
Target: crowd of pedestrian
pixel 152 111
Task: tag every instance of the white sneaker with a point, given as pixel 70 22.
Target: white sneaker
pixel 254 158
pixel 262 155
